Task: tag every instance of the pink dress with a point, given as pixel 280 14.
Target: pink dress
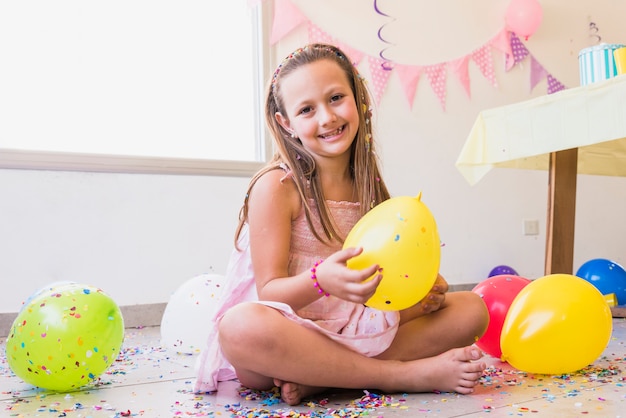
pixel 363 329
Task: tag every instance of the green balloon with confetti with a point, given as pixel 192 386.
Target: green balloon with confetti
pixel 65 337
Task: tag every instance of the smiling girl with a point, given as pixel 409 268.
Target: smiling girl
pixel 293 314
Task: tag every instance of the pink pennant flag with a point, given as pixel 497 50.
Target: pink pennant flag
pixel 286 18
pixel 519 49
pixel 437 76
pixel 460 67
pixel 502 42
pixel 409 76
pixel 380 71
pixel 537 73
pixel 353 54
pixel 482 57
pixel 554 85
pixel 317 35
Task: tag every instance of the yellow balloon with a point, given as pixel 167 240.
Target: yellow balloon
pixel 400 235
pixel 557 324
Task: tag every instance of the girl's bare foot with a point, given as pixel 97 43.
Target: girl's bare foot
pixel 455 370
pixel 293 393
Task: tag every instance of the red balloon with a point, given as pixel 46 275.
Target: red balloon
pixel 498 293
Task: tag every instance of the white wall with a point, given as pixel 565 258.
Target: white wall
pixel 140 236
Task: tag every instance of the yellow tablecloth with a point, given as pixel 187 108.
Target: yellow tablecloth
pixel 591 118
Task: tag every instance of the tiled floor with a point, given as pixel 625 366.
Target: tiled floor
pixel 148 381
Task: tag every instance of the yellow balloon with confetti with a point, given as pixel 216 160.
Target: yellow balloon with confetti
pixel 400 235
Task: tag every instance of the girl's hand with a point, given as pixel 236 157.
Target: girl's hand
pixel 435 298
pixel 337 279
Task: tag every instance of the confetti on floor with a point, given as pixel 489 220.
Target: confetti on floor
pixel 148 381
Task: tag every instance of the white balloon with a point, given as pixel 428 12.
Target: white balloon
pixel 189 307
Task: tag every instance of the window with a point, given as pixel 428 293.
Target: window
pixel 131 83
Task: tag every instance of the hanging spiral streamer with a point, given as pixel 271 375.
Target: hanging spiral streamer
pixel 386 65
pixel 593 32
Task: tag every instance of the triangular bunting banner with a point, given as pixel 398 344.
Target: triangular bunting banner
pixel 409 77
pixel 502 42
pixel 460 67
pixel 519 49
pixel 482 57
pixel 380 71
pixel 554 85
pixel 537 73
pixel 354 54
pixel 316 35
pixel 287 16
pixel 437 76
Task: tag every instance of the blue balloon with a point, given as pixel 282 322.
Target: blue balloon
pixel 607 276
pixel 500 270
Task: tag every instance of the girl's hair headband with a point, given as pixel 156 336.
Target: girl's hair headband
pixel 328 48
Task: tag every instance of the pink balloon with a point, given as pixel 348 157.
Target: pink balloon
pixel 523 17
pixel 498 293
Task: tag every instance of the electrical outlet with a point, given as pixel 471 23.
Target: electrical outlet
pixel 531 227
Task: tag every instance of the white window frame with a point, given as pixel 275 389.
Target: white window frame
pixel 68 161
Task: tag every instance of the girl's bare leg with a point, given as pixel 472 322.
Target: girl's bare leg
pixel 460 321
pixel 263 345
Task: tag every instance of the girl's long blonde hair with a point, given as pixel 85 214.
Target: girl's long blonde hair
pixel 291 155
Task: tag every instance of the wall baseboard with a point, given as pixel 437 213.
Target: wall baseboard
pixel 135 316
pixel 149 315
pixel 462 287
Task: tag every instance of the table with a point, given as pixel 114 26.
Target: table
pixel 580 130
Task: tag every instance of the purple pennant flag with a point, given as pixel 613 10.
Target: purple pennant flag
pixel 518 48
pixel 537 72
pixel 554 85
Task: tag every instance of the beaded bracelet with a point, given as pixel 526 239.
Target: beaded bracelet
pixel 316 284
